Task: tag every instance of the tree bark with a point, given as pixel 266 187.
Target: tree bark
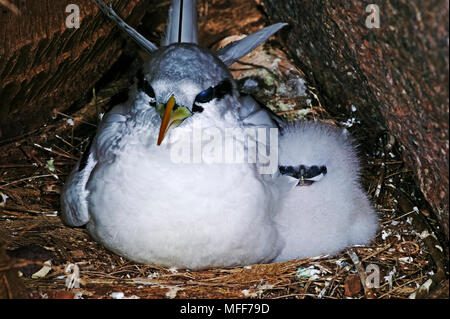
pixel 45 65
pixel 396 75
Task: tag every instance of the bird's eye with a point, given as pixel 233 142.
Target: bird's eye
pixel 214 92
pixel 205 96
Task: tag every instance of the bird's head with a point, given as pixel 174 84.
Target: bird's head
pixel 186 83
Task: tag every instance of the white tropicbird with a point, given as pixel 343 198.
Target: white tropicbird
pixel 143 206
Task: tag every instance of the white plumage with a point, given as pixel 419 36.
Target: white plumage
pixel 139 203
pixel 331 213
pixel 151 210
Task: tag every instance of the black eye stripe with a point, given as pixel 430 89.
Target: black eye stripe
pixel 302 171
pixel 215 92
pixel 147 88
pixel 223 88
pixel 144 85
pixel 197 109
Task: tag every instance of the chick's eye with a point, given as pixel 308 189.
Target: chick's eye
pixel 205 96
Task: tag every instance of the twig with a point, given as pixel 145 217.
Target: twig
pixel 398 172
pixel 398 287
pixel 376 253
pixel 431 242
pixel 292 295
pixel 400 217
pixel 26 179
pixel 55 152
pixel 7 166
pixel 10 6
pixel 361 272
pixel 17 166
pixel 72 118
pixel 27 211
pixel 31 156
pixel 380 183
pixel 64 141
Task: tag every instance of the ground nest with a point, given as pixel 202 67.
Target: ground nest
pixel 406 251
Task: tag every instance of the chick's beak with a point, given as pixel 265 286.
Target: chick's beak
pixel 172 115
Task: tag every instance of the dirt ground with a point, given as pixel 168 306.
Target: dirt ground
pixel 407 251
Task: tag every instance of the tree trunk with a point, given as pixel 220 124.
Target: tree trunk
pixel 45 65
pixel 396 75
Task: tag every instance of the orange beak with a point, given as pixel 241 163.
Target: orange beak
pixel 173 116
pixel 166 119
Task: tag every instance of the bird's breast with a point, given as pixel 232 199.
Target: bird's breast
pixel 155 179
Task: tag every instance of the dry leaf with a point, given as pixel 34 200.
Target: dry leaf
pixel 352 285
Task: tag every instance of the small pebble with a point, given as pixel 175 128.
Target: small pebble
pixel 117 295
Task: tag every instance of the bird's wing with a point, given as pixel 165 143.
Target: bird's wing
pixel 182 24
pixel 253 113
pixel 136 36
pixel 74 211
pixel 74 196
pixel 236 50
